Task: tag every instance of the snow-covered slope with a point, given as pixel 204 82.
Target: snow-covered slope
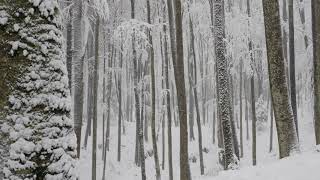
pixel 298 167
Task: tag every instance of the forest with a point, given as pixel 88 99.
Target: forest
pixel 159 89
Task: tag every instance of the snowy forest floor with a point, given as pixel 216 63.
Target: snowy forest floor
pixel 269 167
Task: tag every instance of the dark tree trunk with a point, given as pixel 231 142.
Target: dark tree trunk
pixel 287 137
pixel 316 60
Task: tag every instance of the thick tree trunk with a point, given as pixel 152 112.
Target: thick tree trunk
pixel 287 137
pixel 35 94
pixel 223 83
pixel 181 94
pixel 316 60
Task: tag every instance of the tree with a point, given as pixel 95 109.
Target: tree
pixel 293 93
pixel 287 137
pixel 193 89
pixel 240 106
pixel 95 108
pixel 223 84
pixel 153 94
pixel 181 95
pixel 254 122
pixel 316 61
pixel 78 71
pixel 69 44
pixel 173 57
pixel 35 92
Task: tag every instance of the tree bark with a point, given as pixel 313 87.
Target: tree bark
pixel 316 60
pixel 254 122
pixel 223 84
pixel 35 94
pixel 78 73
pixel 287 137
pixel 153 94
pixel 241 123
pixel 293 93
pixel 181 94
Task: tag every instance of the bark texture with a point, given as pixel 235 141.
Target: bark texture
pixel 287 137
pixel 316 60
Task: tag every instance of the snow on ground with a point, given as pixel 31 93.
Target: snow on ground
pixel 269 166
pixel 303 166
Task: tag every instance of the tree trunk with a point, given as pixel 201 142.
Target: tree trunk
pixel 271 126
pixel 254 121
pixel 120 104
pixel 181 94
pixel 35 94
pixel 69 46
pixel 292 66
pixel 167 64
pixel 287 137
pixel 78 73
pixel 153 94
pixel 223 83
pixel 246 108
pixel 95 106
pixel 240 102
pixel 316 60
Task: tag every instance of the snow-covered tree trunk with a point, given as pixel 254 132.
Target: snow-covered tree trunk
pixel 69 44
pixel 223 84
pixel 35 92
pixel 287 137
pixel 316 60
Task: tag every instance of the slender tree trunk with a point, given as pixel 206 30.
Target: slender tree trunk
pixel 167 64
pixel 292 66
pixel 287 137
pixel 240 102
pixel 78 73
pixel 95 109
pixel 69 44
pixel 120 104
pixel 169 116
pixel 233 123
pixel 109 99
pixel 271 126
pixel 303 22
pixel 153 94
pixel 316 60
pixel 254 121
